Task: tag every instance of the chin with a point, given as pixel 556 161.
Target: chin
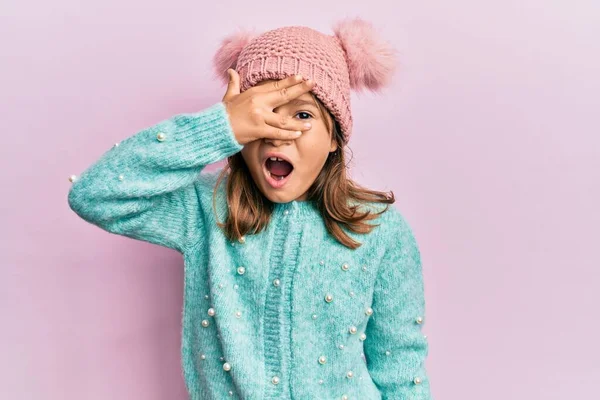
pixel 278 197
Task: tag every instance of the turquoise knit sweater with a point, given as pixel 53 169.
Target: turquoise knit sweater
pixel 288 313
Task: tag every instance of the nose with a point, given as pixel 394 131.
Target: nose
pixel 277 142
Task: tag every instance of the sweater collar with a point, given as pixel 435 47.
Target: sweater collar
pixel 297 209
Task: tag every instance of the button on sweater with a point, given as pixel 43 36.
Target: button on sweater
pixel 286 313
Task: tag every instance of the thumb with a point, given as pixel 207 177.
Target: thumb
pixel 233 87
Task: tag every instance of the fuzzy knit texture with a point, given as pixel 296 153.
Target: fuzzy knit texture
pixel 354 57
pixel 287 313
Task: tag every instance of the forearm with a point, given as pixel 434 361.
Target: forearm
pixel 143 187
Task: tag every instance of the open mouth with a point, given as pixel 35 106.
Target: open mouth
pixel 277 171
pixel 278 168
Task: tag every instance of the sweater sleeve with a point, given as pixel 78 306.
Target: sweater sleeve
pixel 144 188
pixel 395 349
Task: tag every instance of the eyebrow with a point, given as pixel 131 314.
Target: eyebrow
pixel 300 102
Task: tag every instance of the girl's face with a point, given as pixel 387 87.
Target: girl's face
pixel 284 181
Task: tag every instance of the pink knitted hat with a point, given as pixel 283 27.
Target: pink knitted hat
pixel 353 58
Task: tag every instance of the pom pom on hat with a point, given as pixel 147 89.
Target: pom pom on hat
pixel 229 51
pixel 371 60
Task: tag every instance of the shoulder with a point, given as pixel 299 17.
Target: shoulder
pixel 396 233
pixel 207 191
pixel 208 178
pixel 400 260
pixel 390 220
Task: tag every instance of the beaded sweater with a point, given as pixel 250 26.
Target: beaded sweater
pixel 286 313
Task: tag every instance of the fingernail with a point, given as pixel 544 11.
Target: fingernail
pixel 298 133
pixel 298 77
pixel 309 81
pixel 307 125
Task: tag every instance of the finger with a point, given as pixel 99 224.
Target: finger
pixel 284 95
pixel 278 84
pixel 233 88
pixel 271 132
pixel 286 122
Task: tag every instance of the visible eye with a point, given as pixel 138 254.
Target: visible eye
pixel 304 115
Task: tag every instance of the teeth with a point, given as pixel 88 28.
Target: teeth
pixel 276 178
pixel 275 159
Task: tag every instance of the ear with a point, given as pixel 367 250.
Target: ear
pixel 333 145
pixel 229 51
pixel 371 61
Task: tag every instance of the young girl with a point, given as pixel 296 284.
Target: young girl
pixel 290 292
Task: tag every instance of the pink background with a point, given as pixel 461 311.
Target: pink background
pixel 489 138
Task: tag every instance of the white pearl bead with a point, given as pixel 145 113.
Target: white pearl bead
pixel 242 239
pixel 241 270
pixel 341 346
pixel 238 314
pixel 276 282
pixel 387 352
pixel 235 286
pixel 352 329
pixel 351 294
pixel 275 380
pixel 364 268
pixel 205 323
pixel 345 397
pixel 419 320
pixel 116 144
pixel 345 267
pixel 417 380
pixel 322 262
pixel 328 298
pixel 206 296
pixel 286 212
pixel 211 312
pixel 322 360
pixel 222 358
pixel 369 311
pixel 221 285
pixel 321 381
pixel 203 356
pixel 314 316
pixel 363 336
pixel 350 374
pixel 161 136
pixel 231 392
pixel 72 178
pixel 227 367
pixel 121 177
